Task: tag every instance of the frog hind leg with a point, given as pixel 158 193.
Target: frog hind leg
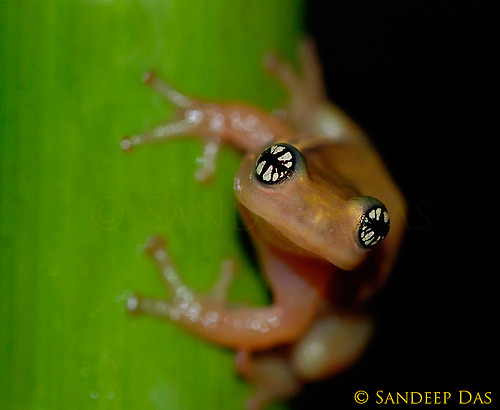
pixel 331 345
pixel 183 302
pixel 272 375
pixel 212 318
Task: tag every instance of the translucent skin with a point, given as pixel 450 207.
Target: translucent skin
pixel 304 230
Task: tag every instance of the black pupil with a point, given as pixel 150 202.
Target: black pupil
pixel 275 164
pixel 374 226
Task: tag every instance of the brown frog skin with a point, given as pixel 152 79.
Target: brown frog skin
pixel 316 199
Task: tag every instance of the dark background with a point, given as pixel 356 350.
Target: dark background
pixel 423 81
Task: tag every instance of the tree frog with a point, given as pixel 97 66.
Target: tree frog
pixel 316 199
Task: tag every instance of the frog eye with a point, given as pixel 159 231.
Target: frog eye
pixel 373 226
pixel 276 164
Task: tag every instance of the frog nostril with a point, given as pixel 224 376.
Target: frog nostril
pixel 275 164
pixel 373 226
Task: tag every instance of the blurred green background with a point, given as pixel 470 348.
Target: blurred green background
pixel 75 210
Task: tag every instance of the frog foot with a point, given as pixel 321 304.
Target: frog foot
pixel 189 119
pixel 305 86
pixel 185 305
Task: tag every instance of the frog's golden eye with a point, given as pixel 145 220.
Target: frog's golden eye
pixel 276 164
pixel 373 225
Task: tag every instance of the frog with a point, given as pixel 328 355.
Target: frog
pixel 315 198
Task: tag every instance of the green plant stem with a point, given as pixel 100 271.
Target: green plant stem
pixel 74 209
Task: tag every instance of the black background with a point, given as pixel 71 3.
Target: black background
pixel 422 79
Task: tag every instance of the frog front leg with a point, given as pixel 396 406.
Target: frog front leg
pixel 242 126
pixel 309 109
pixel 211 317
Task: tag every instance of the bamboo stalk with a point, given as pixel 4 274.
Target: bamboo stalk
pixel 75 209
